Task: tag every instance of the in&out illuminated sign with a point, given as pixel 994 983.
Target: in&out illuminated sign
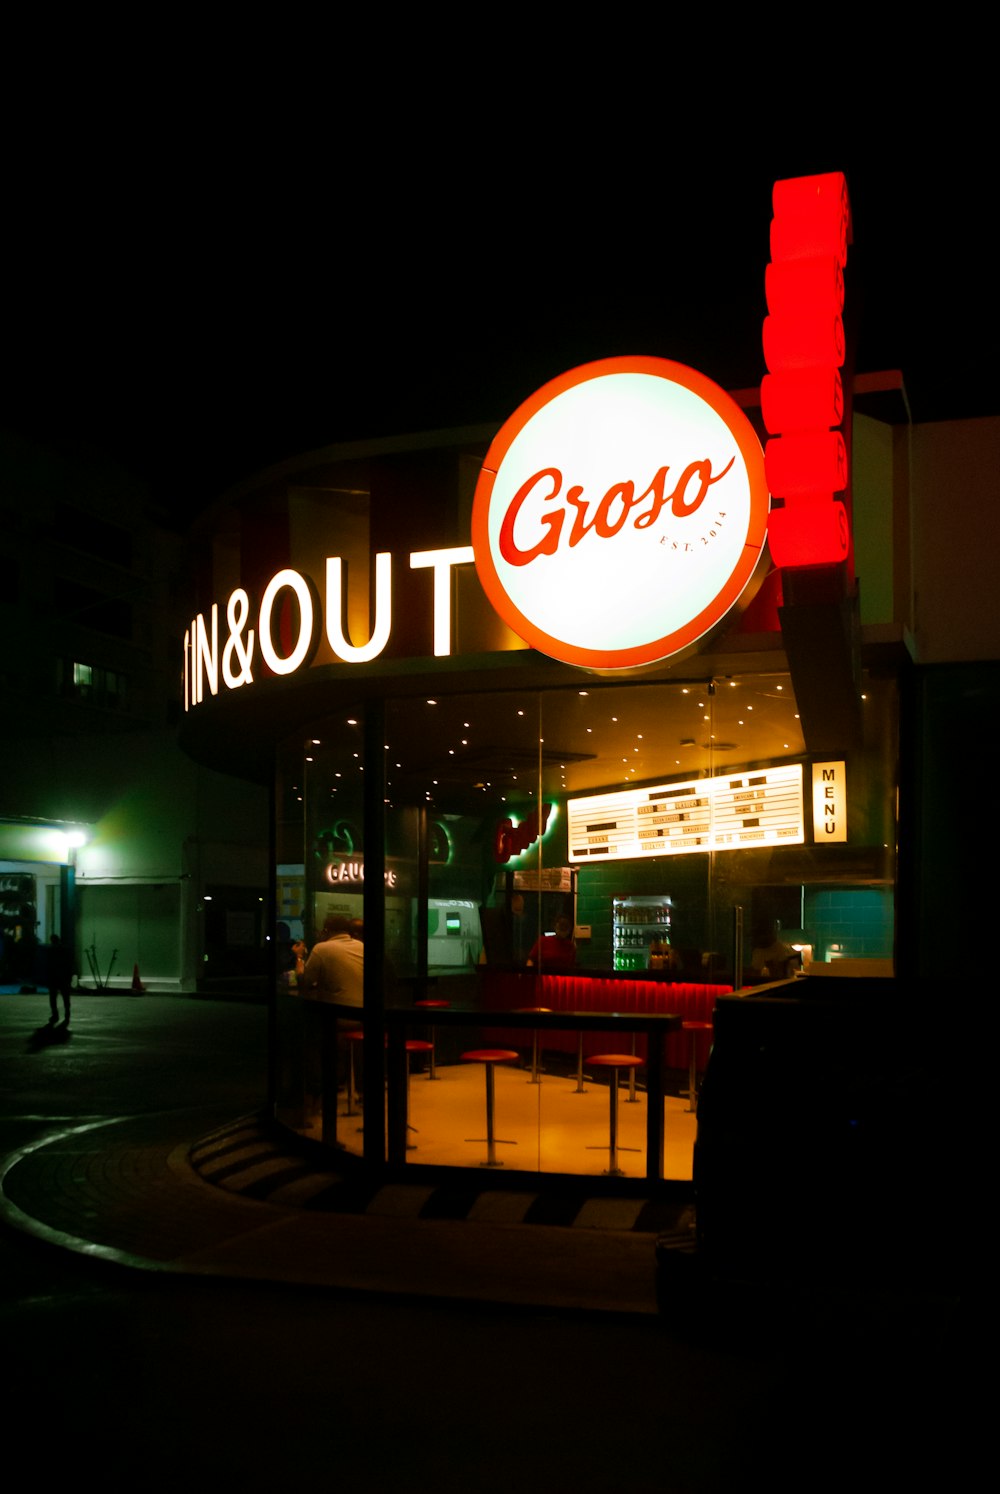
pixel 619 518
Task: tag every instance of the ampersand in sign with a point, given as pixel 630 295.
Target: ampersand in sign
pixel 237 613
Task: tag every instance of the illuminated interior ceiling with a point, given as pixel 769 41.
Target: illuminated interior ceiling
pixel 462 753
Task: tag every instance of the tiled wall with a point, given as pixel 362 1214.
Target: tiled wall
pixel 857 919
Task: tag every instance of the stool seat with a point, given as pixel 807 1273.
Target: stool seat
pixel 614 1062
pixel 413 1045
pixel 489 1058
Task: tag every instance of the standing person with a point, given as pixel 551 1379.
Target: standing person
pixel 335 971
pixel 557 951
pixel 60 979
pixel 771 957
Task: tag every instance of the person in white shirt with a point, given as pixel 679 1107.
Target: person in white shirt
pixel 335 971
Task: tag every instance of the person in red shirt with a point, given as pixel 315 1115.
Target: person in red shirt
pixel 556 951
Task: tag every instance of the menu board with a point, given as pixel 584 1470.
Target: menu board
pixel 762 807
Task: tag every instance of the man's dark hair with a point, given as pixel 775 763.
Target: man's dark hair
pixel 337 923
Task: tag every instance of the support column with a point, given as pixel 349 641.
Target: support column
pixel 374 920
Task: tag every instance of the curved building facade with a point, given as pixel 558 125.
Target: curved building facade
pixel 559 851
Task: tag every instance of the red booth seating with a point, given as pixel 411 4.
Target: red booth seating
pixel 509 990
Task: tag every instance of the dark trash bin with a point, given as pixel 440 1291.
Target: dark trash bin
pixel 819 1148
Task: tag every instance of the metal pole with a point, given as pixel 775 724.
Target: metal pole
pixel 613 1168
pixel 491 1147
pixel 579 1066
pixel 737 946
pixel 375 1058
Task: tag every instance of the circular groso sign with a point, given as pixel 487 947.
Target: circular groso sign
pixel 620 513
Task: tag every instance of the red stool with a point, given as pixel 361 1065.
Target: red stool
pixel 490 1057
pixel 414 1045
pixel 432 1072
pixel 536 1072
pixel 614 1062
pixel 692 1029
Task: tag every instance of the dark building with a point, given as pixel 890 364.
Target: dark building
pixel 109 834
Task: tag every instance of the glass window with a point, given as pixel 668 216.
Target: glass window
pixel 609 848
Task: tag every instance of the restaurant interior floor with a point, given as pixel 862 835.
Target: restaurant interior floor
pixel 545 1126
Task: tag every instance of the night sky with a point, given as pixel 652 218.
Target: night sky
pixel 201 308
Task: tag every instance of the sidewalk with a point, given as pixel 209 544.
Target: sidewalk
pixel 216 1191
pixel 234 1199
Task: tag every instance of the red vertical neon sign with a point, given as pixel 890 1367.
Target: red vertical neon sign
pixel 802 396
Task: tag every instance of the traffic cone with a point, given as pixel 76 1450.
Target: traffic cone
pixel 137 985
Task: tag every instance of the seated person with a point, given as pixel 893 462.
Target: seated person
pixel 335 969
pixel 557 951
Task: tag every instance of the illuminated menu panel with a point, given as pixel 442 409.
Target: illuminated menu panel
pixel 758 808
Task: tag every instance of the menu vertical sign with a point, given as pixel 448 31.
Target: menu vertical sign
pixel 829 789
